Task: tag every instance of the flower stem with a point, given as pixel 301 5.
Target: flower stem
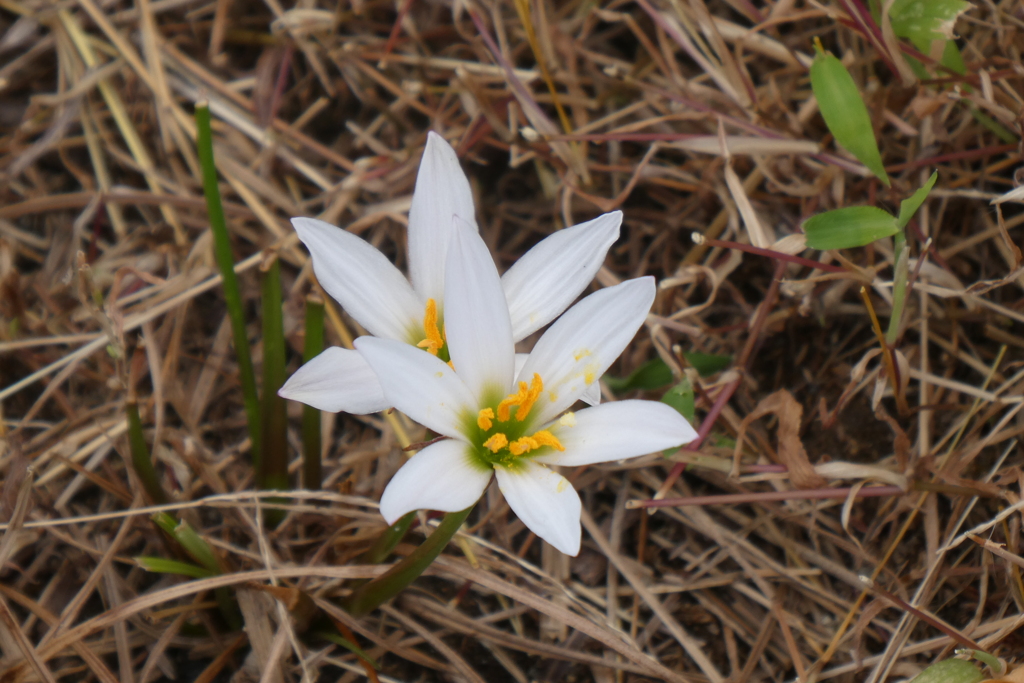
pixel 225 263
pixel 369 596
pixel 311 443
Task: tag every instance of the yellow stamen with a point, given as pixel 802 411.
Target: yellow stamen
pixel 534 441
pixel 485 419
pixel 434 340
pixel 546 438
pixel 524 398
pixel 522 445
pixel 496 442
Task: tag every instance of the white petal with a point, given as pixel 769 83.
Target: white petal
pixel 577 349
pixel 362 280
pixel 337 380
pixel 546 502
pixel 549 277
pixel 476 318
pixel 442 191
pixel 618 430
pixel 592 394
pixel 442 476
pixel 420 385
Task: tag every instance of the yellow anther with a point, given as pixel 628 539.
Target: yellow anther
pixel 524 398
pixel 485 419
pixel 536 386
pixel 523 445
pixel 546 438
pixel 434 341
pixel 496 442
pixel 532 442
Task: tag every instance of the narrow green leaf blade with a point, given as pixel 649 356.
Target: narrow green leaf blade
pixel 195 546
pixel 844 111
pixel 162 565
pixel 910 205
pixel 706 363
pixel 852 226
pixel 348 645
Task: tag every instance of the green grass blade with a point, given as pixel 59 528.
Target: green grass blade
pixel 910 205
pixel 369 596
pixel 899 286
pixel 226 265
pixel 386 542
pixel 844 112
pixel 142 463
pixel 338 639
pixel 312 446
pixel 852 226
pixel 160 565
pixel 273 472
pixel 196 547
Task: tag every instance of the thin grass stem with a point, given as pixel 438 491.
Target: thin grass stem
pixel 141 460
pixel 312 474
pixel 226 265
pixel 273 472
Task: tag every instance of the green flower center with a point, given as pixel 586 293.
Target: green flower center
pixel 502 436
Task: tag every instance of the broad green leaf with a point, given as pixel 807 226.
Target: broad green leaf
pixel 653 374
pixel 707 363
pixel 910 205
pixel 925 21
pixel 162 565
pixel 950 671
pixel 844 111
pixel 952 59
pixel 680 397
pixel 852 226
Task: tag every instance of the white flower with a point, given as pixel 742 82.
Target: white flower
pixel 538 287
pixel 509 423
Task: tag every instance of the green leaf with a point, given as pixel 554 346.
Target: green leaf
pixel 680 397
pixel 950 671
pixel 653 374
pixel 910 205
pixel 852 226
pixel 707 363
pixel 348 645
pixel 161 565
pixel 844 112
pixel 195 546
pixel 925 21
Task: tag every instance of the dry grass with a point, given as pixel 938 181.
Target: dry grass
pixel 560 111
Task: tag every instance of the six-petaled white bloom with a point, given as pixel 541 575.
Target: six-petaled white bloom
pixel 513 424
pixel 374 292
